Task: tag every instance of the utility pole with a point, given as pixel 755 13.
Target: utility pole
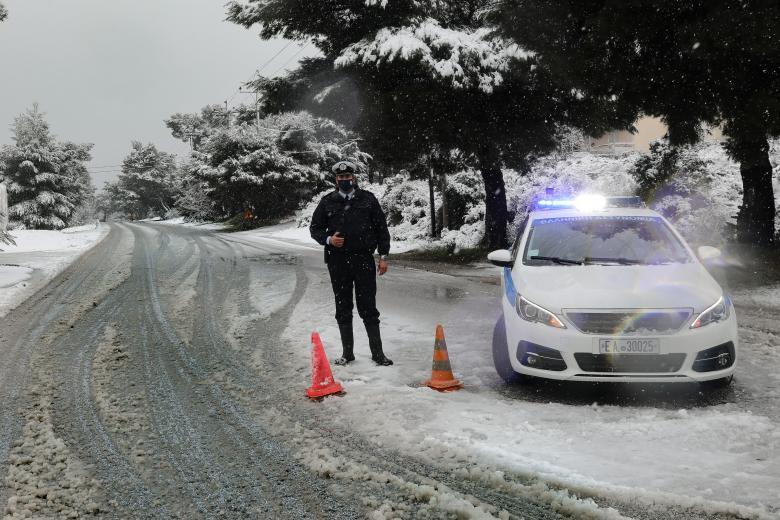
pixel 257 109
pixel 257 104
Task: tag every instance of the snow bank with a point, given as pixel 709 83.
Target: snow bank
pixel 39 256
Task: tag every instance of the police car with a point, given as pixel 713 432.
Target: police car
pixel 604 289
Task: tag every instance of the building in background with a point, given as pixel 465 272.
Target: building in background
pixel 648 129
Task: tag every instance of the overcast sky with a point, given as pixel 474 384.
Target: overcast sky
pixel 110 71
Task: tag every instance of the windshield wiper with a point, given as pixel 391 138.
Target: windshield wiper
pixel 619 260
pixel 557 260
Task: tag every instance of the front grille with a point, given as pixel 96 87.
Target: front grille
pixel 629 322
pixel 629 363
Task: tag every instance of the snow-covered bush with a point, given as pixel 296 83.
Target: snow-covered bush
pixel 406 204
pixel 698 188
pixel 568 175
pixel 465 193
pixel 194 204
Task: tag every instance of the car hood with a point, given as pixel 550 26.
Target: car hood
pixel 618 286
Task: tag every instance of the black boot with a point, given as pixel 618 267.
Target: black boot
pixel 347 344
pixel 375 344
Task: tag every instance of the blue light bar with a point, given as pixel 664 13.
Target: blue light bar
pixel 606 202
pixel 555 203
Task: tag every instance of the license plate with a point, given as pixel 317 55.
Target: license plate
pixel 630 346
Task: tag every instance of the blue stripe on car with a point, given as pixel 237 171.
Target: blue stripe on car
pixel 509 286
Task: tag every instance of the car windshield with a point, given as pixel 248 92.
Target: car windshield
pixel 610 240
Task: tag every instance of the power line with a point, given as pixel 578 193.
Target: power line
pixel 262 67
pixel 291 58
pixel 274 56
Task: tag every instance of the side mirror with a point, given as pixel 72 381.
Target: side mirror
pixel 501 258
pixel 707 253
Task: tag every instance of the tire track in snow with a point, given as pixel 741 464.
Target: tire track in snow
pixel 48 309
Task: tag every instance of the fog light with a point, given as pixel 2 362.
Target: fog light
pixel 715 358
pixel 539 357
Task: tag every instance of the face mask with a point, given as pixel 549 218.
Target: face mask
pixel 345 186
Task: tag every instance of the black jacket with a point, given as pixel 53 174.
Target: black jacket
pixel 361 221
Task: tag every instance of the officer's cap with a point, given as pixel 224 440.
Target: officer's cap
pixel 344 168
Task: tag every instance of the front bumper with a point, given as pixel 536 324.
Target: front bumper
pixel 676 362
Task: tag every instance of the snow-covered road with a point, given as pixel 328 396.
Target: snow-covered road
pixel 162 376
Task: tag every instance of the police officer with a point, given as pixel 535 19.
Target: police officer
pixel 351 225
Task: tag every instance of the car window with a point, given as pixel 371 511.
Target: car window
pixel 519 238
pixel 610 240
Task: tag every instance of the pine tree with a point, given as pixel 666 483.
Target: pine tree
pixel 417 79
pixel 148 183
pixel 268 171
pixel 699 61
pixel 3 13
pixel 46 179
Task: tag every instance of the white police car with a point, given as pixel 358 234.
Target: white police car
pixel 604 289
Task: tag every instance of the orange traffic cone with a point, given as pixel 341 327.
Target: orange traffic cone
pixel 322 382
pixel 441 375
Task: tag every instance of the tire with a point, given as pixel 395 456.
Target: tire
pixel 501 355
pixel 715 384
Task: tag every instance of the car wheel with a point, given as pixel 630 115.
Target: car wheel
pixel 501 355
pixel 714 384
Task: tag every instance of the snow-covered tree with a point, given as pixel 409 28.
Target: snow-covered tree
pixel 148 183
pixel 195 128
pixel 268 170
pixel 417 78
pixel 692 62
pixel 3 13
pixel 47 179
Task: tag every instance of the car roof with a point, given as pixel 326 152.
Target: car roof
pixel 606 212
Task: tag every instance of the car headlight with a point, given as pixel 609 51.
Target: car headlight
pixel 717 312
pixel 529 311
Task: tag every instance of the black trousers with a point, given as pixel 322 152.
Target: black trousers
pixel 348 270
